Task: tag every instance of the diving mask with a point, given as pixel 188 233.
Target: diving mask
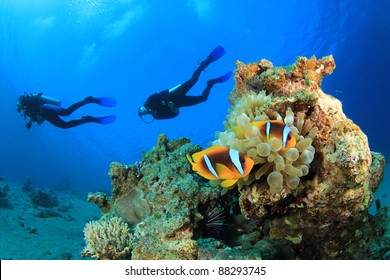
pixel 143 111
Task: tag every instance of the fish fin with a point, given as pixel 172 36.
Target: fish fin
pixel 198 169
pixel 223 171
pixel 190 158
pixel 228 183
pixel 197 156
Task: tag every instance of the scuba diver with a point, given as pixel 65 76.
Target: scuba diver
pixel 166 104
pixel 40 108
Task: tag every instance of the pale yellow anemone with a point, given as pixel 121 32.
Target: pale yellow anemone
pixel 275 166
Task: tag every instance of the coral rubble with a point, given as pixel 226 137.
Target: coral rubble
pixel 305 199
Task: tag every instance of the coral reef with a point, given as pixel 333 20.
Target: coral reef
pixel 315 192
pixel 307 196
pixel 159 198
pixel 107 239
pixel 101 200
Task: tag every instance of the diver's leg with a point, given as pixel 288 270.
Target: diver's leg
pixel 58 122
pixel 72 108
pixel 182 90
pixel 185 87
pixel 186 101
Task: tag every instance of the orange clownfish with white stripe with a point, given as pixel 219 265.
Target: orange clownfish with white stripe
pixel 221 163
pixel 272 129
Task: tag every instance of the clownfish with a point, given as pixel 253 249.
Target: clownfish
pixel 221 163
pixel 272 129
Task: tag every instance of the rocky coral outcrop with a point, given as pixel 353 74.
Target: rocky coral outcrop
pixel 306 200
pixel 332 198
pixel 159 197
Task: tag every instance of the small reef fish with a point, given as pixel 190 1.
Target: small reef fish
pixel 221 163
pixel 272 129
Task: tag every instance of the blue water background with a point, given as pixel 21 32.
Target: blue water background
pixel 129 49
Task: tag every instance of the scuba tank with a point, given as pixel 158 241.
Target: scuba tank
pixel 174 88
pixel 43 99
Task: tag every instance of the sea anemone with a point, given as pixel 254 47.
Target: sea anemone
pixel 276 167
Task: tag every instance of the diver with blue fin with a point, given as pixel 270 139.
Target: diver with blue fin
pixel 40 108
pixel 166 104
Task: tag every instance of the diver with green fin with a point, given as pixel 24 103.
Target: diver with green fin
pixel 40 108
pixel 166 104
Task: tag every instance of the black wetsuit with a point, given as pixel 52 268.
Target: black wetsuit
pixel 52 114
pixel 166 104
pixel 34 107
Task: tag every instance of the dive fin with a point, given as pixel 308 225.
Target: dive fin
pixel 216 54
pixel 107 119
pixel 101 120
pixel 104 101
pixel 221 79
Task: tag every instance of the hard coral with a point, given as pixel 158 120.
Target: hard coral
pixel 159 198
pixel 107 239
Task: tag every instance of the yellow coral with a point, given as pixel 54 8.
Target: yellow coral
pixel 107 239
pixel 280 167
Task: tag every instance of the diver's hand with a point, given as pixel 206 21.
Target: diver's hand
pixel 171 106
pixel 28 125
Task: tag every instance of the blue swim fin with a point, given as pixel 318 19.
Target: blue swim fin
pixel 104 101
pixel 107 119
pixel 216 54
pixel 221 79
pixel 101 120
